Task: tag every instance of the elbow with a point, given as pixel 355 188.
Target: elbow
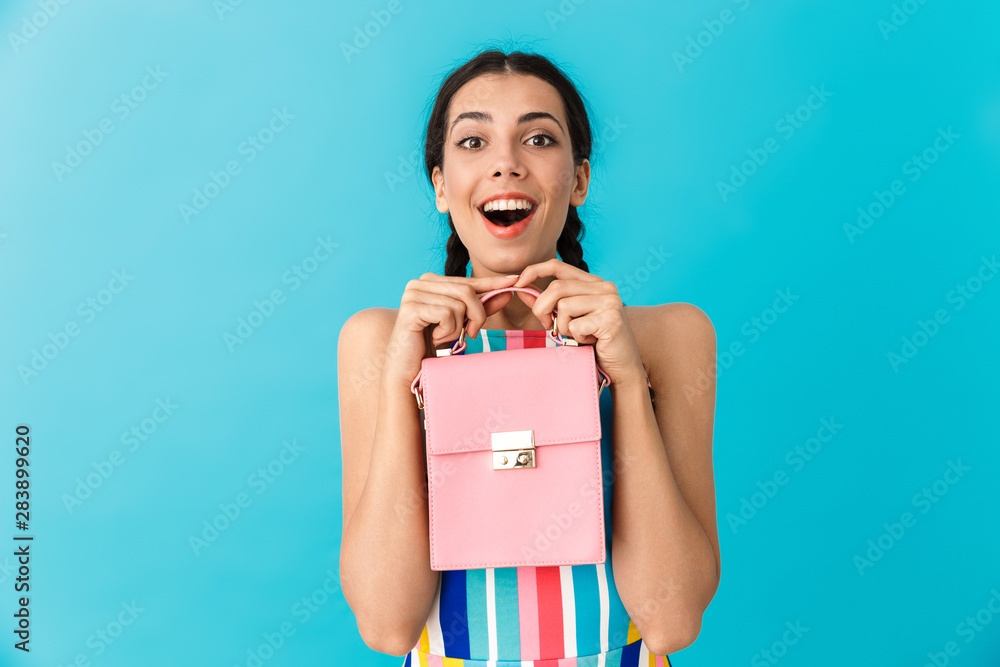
pixel 669 640
pixel 388 634
pixel 382 625
pixel 383 631
pixel 391 641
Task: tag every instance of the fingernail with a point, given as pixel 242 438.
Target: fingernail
pixel 515 275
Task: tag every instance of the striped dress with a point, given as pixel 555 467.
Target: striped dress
pixel 558 616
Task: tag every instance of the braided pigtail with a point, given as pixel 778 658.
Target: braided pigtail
pixel 568 246
pixel 457 263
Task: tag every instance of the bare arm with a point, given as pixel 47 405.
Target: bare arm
pixel 665 538
pixel 385 557
pixel 385 552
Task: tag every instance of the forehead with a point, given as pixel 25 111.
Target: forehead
pixel 506 96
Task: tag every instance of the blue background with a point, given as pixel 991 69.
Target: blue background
pixel 683 128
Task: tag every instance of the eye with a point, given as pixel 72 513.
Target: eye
pixel 462 141
pixel 552 141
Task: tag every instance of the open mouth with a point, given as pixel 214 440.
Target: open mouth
pixel 508 217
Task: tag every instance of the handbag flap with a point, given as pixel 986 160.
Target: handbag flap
pixel 549 390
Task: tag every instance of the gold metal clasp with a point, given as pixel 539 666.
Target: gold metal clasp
pixel 567 341
pixel 513 449
pixel 447 352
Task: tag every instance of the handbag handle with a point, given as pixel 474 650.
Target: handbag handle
pixel 459 345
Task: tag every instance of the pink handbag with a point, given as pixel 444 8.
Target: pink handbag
pixel 513 444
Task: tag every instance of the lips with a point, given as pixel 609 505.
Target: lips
pixel 508 231
pixel 506 224
pixel 507 217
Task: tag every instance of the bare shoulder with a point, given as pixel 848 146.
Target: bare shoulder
pixel 671 329
pixel 360 348
pixel 369 322
pixel 362 341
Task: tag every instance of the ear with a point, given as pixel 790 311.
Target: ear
pixel 437 177
pixel 582 183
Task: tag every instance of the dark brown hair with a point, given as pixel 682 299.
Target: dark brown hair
pixel 497 62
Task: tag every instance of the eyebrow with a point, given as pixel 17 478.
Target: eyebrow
pixel 484 117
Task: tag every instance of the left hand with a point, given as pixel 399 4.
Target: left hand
pixel 589 310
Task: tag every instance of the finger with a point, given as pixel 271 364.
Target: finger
pixel 482 310
pixel 553 267
pixel 434 318
pixel 559 290
pixel 470 305
pixel 582 329
pixel 476 316
pixel 482 284
pixel 586 310
pixel 442 312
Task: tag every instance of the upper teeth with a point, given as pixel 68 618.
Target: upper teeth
pixel 506 205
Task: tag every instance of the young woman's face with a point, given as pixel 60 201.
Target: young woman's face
pixel 508 134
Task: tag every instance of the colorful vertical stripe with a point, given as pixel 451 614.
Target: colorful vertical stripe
pixel 550 613
pixel 632 655
pixel 527 598
pixel 454 615
pixel 476 608
pixel 587 616
pixel 556 616
pixel 508 614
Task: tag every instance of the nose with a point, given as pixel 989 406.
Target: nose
pixel 508 161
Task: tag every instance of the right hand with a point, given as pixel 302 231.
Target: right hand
pixel 432 311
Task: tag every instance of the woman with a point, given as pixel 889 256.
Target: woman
pixel 512 128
